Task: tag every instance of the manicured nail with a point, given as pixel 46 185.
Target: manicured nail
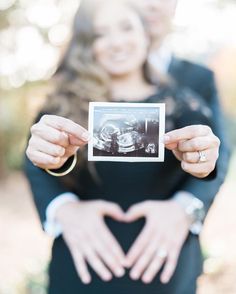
pixel 55 160
pixel 86 136
pixel 86 280
pixel 134 275
pixel 146 280
pixel 120 272
pixel 166 139
pixel 64 134
pixel 164 280
pixel 107 277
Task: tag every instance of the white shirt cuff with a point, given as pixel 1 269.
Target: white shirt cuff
pixel 51 227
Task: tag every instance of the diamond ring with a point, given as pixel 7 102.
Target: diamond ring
pixel 202 156
pixel 162 253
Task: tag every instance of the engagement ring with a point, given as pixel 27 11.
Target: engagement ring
pixel 162 253
pixel 202 156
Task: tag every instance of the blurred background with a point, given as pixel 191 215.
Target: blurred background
pixel 33 35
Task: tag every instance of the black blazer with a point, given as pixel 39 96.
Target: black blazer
pixel 201 80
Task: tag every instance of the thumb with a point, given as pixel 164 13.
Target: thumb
pixel 71 150
pixel 171 146
pixel 135 212
pixel 78 142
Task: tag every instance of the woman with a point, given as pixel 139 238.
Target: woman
pixel 120 215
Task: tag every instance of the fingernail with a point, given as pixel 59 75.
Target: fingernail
pixel 134 275
pixel 64 134
pixel 86 280
pixel 107 277
pixel 86 136
pixel 120 272
pixel 164 280
pixel 166 139
pixel 146 280
pixel 56 160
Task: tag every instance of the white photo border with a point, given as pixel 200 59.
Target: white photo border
pixel 161 146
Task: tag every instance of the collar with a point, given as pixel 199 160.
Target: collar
pixel 161 58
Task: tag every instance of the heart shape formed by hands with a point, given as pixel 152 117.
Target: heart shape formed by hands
pixel 89 239
pixel 160 241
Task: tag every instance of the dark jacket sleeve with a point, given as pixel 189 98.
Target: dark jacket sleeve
pixel 201 80
pixel 44 187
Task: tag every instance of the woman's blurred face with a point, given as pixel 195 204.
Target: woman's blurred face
pixel 121 43
pixel 158 16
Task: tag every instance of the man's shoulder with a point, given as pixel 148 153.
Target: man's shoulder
pixel 191 68
pixel 192 75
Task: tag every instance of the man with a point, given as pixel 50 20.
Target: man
pixel 158 15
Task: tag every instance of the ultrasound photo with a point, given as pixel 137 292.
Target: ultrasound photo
pixel 126 131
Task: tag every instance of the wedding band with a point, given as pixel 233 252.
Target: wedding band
pixel 202 156
pixel 162 253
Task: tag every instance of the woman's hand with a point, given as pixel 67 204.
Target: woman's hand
pixel 196 147
pixel 89 240
pixel 161 240
pixel 53 140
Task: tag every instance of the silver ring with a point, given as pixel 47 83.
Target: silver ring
pixel 162 253
pixel 202 156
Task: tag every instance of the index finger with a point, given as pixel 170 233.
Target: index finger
pixel 112 244
pixel 139 246
pixel 170 266
pixel 66 125
pixel 186 133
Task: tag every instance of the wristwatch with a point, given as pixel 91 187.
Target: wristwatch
pixel 194 209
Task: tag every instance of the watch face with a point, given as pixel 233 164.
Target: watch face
pixel 199 214
pixel 196 210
